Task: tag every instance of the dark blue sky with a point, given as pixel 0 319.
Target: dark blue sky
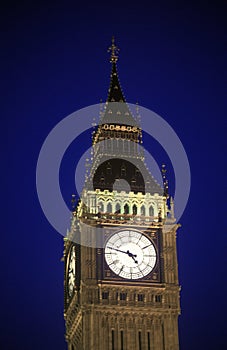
pixel 53 62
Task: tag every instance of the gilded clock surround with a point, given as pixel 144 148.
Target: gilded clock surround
pixel 130 254
pixel 71 274
pixel 153 275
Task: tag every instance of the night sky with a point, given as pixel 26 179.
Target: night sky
pixel 54 61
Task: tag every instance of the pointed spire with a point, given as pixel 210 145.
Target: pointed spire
pixel 121 113
pixel 115 93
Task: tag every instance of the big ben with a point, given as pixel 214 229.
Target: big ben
pixel 121 272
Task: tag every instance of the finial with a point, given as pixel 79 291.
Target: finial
pixel 165 181
pixel 138 117
pixel 73 202
pixel 171 208
pixel 114 51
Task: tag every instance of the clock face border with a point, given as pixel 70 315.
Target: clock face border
pixel 154 276
pixel 72 250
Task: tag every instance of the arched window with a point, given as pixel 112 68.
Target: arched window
pixel 112 336
pixel 151 211
pixel 134 209
pixel 118 209
pixel 142 210
pixel 126 209
pixel 109 208
pixel 122 340
pixel 101 206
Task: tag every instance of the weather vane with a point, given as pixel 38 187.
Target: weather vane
pixel 114 51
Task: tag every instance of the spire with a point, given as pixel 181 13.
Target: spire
pixel 115 93
pixel 119 110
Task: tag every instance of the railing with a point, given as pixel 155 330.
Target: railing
pixel 134 303
pixel 117 218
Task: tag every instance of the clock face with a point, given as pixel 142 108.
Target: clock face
pixel 72 271
pixel 130 254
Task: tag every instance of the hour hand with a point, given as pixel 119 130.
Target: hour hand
pixel 133 256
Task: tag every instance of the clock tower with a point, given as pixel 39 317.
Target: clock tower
pixel 121 273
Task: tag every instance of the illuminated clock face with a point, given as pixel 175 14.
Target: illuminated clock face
pixel 72 271
pixel 130 254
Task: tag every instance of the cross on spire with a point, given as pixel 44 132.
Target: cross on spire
pixel 114 51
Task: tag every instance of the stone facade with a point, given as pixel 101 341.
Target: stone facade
pixel 104 311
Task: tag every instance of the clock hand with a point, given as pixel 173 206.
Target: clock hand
pixel 136 261
pixel 122 251
pixel 132 256
pixel 118 250
pixel 128 253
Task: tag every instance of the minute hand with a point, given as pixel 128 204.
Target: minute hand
pixel 128 253
pixel 118 250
